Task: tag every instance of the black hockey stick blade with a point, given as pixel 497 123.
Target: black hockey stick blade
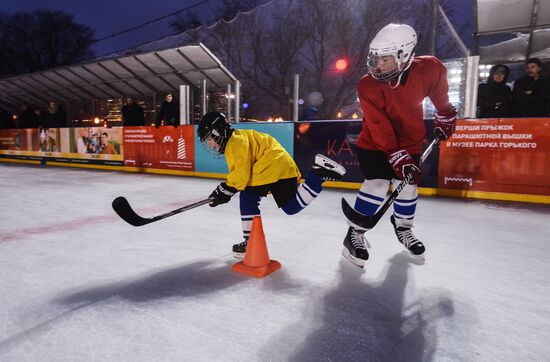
pixel 124 210
pixel 363 221
pixel 358 219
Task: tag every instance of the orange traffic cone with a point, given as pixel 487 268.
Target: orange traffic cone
pixel 256 261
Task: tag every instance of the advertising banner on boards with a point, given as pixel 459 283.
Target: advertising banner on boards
pixel 87 145
pixel 165 147
pixel 498 155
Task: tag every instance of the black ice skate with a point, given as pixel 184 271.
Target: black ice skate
pixel 239 249
pixel 355 247
pixel 327 169
pixel 409 241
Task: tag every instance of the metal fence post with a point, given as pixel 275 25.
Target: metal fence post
pixel 295 97
pixel 237 101
pixel 184 104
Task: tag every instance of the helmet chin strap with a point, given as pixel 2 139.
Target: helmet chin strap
pixel 407 66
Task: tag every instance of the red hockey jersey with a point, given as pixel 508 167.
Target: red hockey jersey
pixel 393 118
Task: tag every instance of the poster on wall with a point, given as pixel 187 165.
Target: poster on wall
pixel 213 163
pixel 18 140
pixel 498 155
pixel 95 145
pixel 160 148
pixel 336 139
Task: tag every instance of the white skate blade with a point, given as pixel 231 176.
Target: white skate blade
pixel 239 256
pixel 325 162
pixel 355 261
pixel 416 259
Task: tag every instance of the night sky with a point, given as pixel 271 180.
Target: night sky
pixel 111 16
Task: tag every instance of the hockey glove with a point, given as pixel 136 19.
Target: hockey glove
pixel 445 123
pixel 222 194
pixel 403 164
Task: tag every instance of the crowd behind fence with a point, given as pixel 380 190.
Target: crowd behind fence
pixel 513 90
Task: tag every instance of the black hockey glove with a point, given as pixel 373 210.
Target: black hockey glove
pixel 222 194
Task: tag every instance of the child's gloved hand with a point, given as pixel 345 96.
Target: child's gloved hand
pixel 222 194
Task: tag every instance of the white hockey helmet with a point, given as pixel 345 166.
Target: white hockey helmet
pixel 397 40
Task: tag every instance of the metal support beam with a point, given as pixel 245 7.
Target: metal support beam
pixel 118 92
pixel 475 35
pixel 177 73
pixel 237 101
pixel 196 67
pixel 532 31
pixel 433 25
pixel 229 116
pixel 472 80
pixel 295 97
pixel 204 104
pixel 185 92
pixel 74 84
pixel 85 81
pixel 118 78
pixel 138 78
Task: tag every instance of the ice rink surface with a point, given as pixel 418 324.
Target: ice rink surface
pixel 79 284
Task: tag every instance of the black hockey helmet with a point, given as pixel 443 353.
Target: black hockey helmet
pixel 214 126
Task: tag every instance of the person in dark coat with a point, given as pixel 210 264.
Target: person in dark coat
pixel 40 116
pixel 532 92
pixel 27 118
pixel 55 116
pixel 169 112
pixel 6 120
pixel 132 113
pixel 495 98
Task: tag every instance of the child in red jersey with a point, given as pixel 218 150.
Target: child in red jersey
pixel 393 131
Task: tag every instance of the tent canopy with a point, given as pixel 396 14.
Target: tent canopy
pixel 529 19
pixel 130 75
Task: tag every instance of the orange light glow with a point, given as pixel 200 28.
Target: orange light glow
pixel 341 64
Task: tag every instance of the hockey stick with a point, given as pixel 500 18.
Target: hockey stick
pixel 363 221
pixel 124 210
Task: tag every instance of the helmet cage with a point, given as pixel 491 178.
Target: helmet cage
pixel 402 59
pixel 213 132
pixel 214 135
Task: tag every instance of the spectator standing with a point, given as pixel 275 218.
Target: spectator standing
pixel 55 116
pixel 494 97
pixel 532 92
pixel 40 116
pixel 169 112
pixel 132 113
pixel 309 114
pixel 6 120
pixel 314 100
pixel 27 118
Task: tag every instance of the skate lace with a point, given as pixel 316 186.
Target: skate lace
pixel 407 237
pixel 358 240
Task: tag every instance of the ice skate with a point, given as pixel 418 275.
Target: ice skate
pixel 355 247
pixel 239 249
pixel 405 236
pixel 327 169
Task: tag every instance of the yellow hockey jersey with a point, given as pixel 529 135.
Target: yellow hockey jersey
pixel 255 159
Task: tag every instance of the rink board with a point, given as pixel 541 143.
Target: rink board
pixel 497 159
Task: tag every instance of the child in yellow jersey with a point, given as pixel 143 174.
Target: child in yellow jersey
pixel 258 165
